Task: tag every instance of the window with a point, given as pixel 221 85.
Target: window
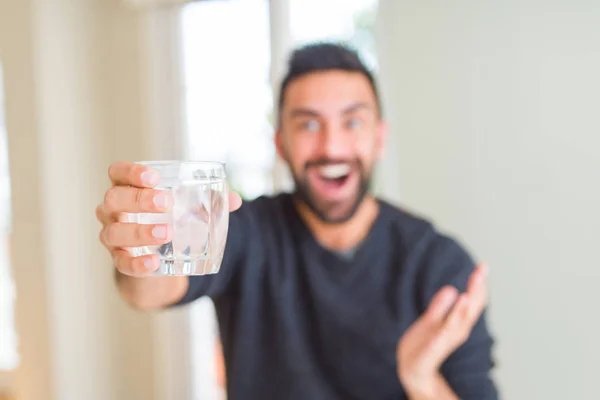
pixel 228 97
pixel 227 91
pixel 8 340
pixel 228 103
pixel 351 21
pixel 228 108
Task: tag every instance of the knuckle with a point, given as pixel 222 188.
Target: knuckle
pixel 112 170
pixel 139 233
pixel 139 197
pixel 111 198
pixel 124 263
pixel 101 237
pixel 110 234
pixel 99 213
pixel 120 262
pixel 134 172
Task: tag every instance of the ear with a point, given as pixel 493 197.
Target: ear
pixel 381 140
pixel 278 138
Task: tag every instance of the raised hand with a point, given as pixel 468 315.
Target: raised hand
pixel 443 328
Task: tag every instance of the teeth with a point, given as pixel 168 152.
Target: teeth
pixel 334 171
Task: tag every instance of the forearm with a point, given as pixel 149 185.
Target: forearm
pixel 151 293
pixel 435 388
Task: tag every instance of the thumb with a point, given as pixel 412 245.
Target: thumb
pixel 235 201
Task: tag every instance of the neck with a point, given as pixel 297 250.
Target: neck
pixel 345 235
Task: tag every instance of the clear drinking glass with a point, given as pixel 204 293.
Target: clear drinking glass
pixel 199 218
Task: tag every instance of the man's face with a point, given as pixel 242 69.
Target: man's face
pixel 331 136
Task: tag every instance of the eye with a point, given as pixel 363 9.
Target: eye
pixel 310 125
pixel 353 123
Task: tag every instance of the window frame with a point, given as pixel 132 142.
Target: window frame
pixel 5 232
pixel 165 94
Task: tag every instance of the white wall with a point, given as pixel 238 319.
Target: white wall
pixel 76 99
pixel 495 114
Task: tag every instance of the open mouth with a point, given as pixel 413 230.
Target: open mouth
pixel 335 175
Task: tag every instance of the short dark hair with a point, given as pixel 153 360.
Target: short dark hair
pixel 325 56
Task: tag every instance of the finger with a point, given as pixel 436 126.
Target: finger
pixel 456 328
pixel 440 304
pixel 453 332
pixel 120 234
pixel 131 174
pixel 478 295
pixel 100 213
pixel 235 201
pixel 107 218
pixel 134 266
pixel 120 199
pixel 456 317
pixel 477 277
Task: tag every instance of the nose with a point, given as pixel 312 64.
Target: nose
pixel 335 144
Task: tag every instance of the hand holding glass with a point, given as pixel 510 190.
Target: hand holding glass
pixel 199 218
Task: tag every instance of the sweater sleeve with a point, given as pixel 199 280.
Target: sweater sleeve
pixel 468 369
pixel 218 284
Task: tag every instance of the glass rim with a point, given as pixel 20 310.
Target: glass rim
pixel 176 163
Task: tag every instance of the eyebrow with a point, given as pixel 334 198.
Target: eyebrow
pixel 307 112
pixel 354 107
pixel 303 112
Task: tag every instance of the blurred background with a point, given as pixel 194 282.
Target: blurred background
pixel 494 110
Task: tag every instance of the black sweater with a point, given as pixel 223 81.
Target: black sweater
pixel 301 322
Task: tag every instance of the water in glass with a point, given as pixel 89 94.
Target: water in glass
pixel 199 221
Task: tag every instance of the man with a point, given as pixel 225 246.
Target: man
pixel 326 293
